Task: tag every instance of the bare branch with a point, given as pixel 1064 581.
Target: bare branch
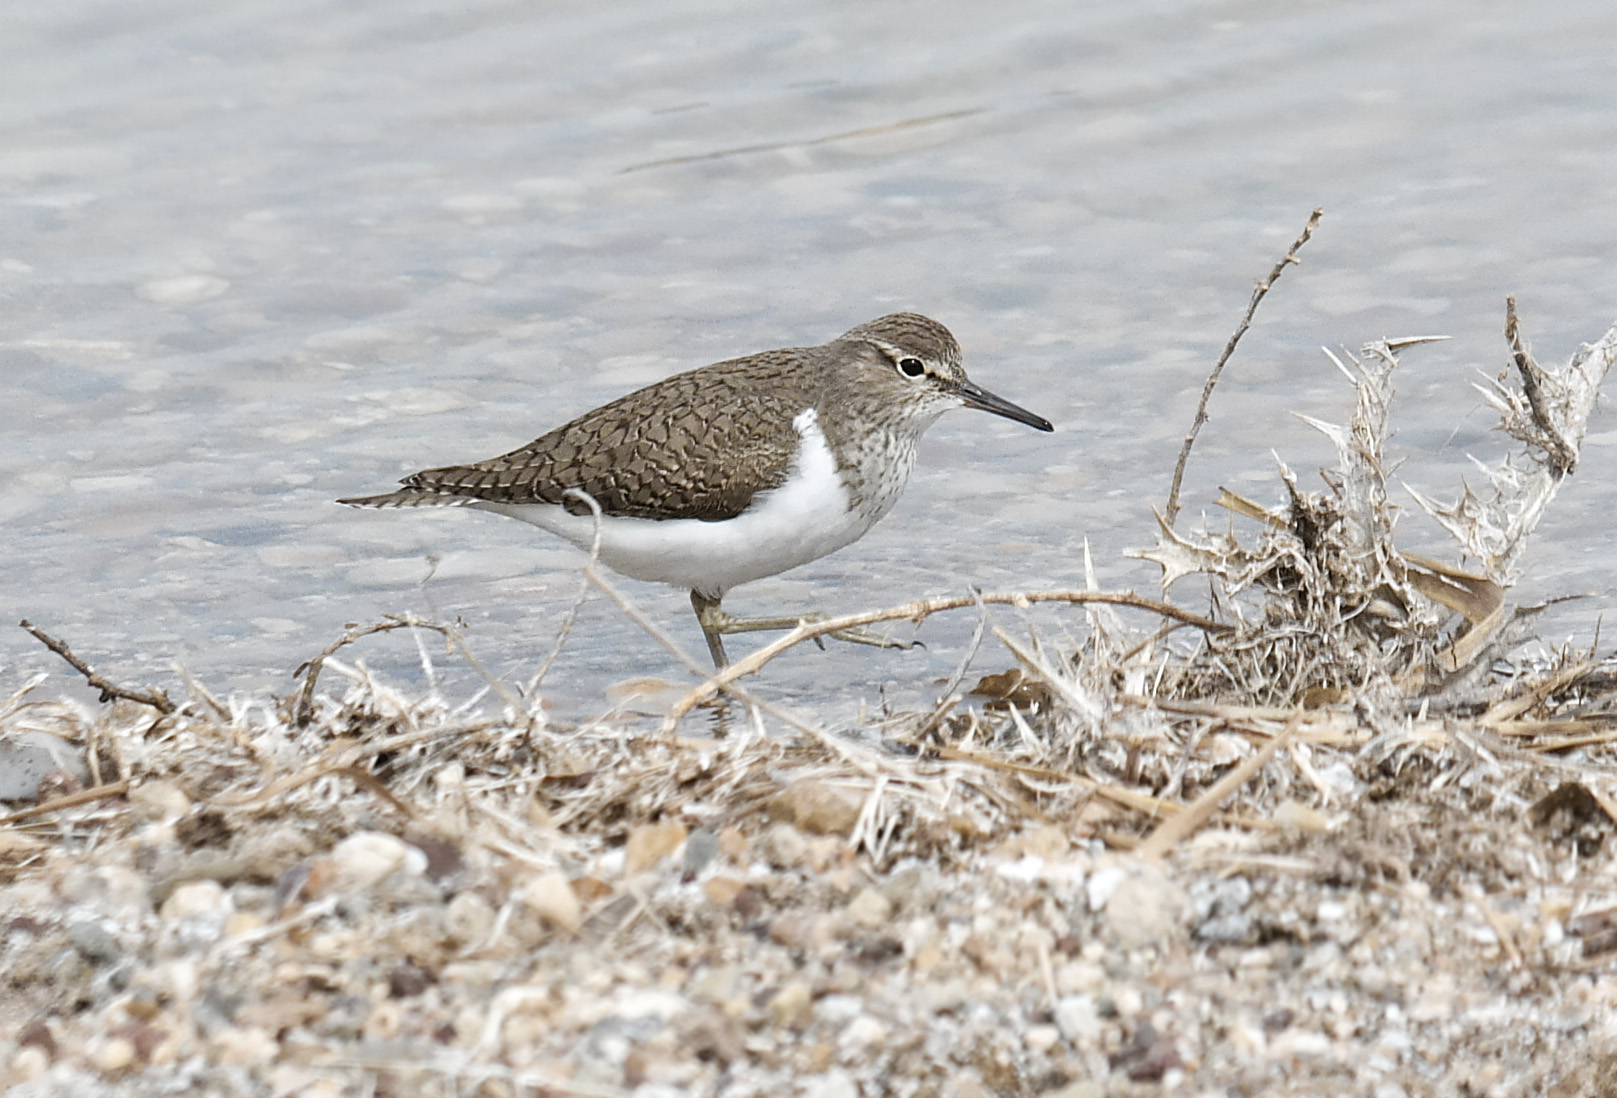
pixel 1258 294
pixel 109 690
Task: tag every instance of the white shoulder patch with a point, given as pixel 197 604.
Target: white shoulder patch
pixel 806 422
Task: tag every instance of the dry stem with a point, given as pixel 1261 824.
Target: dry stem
pixel 109 690
pixel 1258 294
pixel 917 611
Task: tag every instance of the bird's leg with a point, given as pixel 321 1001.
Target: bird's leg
pixel 711 619
pixel 715 623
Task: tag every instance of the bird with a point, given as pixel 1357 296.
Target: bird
pixel 735 471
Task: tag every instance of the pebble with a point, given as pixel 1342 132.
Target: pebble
pixel 366 858
pixel 833 1084
pixel 838 1010
pixel 1144 907
pixel 717 984
pixel 1226 928
pixel 468 919
pixel 942 997
pixel 1083 1088
pixel 177 980
pixel 649 844
pixel 870 909
pixel 817 807
pixel 800 931
pixel 863 1032
pixel 194 898
pixel 94 941
pixel 551 897
pixel 722 891
pixel 159 800
pixel 783 846
pixel 1080 978
pixel 1296 816
pixel 1299 1043
pixel 1128 1001
pixel 1041 1039
pixel 1078 1019
pixel 651 1003
pixel 792 1005
pixel 1101 884
pixel 243 1045
pixel 30 1063
pixel 701 847
pixel 111 1055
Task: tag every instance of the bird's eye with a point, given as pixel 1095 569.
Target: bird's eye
pixel 911 367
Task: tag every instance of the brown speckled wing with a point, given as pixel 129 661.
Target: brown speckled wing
pixel 698 445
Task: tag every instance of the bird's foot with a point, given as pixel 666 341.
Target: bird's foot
pixel 860 635
pixel 716 624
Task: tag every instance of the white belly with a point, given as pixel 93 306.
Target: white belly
pixel 805 518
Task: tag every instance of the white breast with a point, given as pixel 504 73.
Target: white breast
pixel 805 518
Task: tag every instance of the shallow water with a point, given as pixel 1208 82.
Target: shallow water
pixel 260 256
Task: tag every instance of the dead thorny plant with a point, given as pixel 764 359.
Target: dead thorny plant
pixel 1324 607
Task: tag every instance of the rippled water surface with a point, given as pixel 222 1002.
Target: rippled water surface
pixel 260 255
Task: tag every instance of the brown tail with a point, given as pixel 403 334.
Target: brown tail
pixel 408 497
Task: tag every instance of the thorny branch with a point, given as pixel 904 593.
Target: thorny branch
pixel 1562 454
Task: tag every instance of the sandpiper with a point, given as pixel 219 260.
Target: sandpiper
pixel 734 471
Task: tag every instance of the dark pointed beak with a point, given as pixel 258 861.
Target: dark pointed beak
pixel 975 396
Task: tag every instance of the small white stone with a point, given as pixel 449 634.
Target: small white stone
pixel 838 1010
pixel 833 1084
pixel 178 980
pixel 1078 1020
pixel 112 1054
pixel 195 898
pixel 783 846
pixel 651 1003
pixel 1300 817
pixel 863 1032
pixel 1295 1043
pixel 30 1063
pixel 1041 1039
pixel 1144 908
pixel 945 996
pixel 159 800
pixel 366 858
pixel 551 896
pixel 1080 978
pixel 1101 884
pixel 870 909
pixel 124 893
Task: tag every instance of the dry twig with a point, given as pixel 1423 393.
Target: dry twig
pixel 1258 294
pixel 917 611
pixel 1180 826
pixel 67 800
pixel 153 697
